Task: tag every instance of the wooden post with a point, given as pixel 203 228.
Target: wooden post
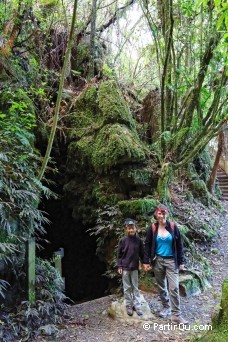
pixel 31 264
pixel 58 263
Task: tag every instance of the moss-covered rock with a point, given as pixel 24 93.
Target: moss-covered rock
pixel 118 311
pixel 103 131
pixel 138 177
pixel 116 144
pixel 83 118
pixel 135 207
pixel 113 107
pixel 203 164
pixel 81 151
pixel 198 187
pixel 189 286
pixel 197 174
pixel 106 192
pixel 102 140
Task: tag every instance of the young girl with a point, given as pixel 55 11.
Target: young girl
pixel 130 250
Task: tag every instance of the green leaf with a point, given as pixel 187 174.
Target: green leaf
pixel 198 3
pixel 220 20
pixel 75 72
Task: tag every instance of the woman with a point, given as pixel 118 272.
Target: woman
pixel 164 251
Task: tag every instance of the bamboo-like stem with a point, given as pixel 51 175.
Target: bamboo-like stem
pixel 61 84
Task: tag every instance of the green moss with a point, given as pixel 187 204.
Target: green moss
pixel 81 57
pixel 207 231
pixel 183 229
pixel 106 193
pixel 94 108
pixel 83 118
pixel 163 183
pixel 189 197
pixel 199 186
pixel 203 164
pixel 199 190
pixel 89 97
pixel 189 285
pixel 137 176
pixel 79 153
pixel 223 313
pixel 219 332
pixel 116 144
pixel 99 144
pixel 137 206
pixel 48 3
pixel 113 107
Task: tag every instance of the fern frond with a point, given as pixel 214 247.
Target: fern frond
pixel 3 287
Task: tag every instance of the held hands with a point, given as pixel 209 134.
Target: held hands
pixel 147 267
pixel 181 267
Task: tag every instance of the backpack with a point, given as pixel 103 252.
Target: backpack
pixel 153 227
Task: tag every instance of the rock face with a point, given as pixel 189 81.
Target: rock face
pixel 104 152
pixel 188 286
pixel 117 310
pixel 106 178
pixel 192 284
pixel 103 131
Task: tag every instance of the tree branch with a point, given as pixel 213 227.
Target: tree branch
pixel 191 100
pixel 213 107
pixel 115 16
pixel 164 73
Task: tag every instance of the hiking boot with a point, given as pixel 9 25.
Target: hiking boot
pixel 178 320
pixel 165 312
pixel 129 311
pixel 139 311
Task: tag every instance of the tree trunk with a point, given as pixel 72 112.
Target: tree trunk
pixel 92 39
pixel 163 183
pixel 212 178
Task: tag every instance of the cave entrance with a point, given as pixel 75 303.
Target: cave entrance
pixel 81 268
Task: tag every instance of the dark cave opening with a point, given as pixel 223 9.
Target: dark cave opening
pixel 81 268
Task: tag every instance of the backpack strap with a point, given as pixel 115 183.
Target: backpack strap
pixel 153 226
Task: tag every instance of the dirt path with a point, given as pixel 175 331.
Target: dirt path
pixel 89 323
